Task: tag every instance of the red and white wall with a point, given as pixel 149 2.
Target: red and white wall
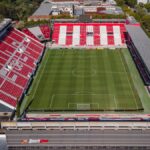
pixel 89 34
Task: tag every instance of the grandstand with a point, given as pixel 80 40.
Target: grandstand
pixel 40 33
pixel 19 57
pixel 81 89
pixel 20 53
pixel 139 45
pixel 89 34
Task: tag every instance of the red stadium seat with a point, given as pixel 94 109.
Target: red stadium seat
pixel 96 35
pixel 46 31
pixel 19 55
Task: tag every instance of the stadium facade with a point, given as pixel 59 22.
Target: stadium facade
pixel 77 135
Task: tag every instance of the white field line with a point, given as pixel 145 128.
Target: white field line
pixel 111 72
pixel 77 104
pixel 84 94
pixel 129 81
pixel 52 98
pixel 40 76
pixel 115 102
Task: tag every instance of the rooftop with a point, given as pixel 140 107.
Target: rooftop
pixel 141 42
pixel 4 23
pixel 44 9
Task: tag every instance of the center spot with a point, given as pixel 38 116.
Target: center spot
pixel 84 72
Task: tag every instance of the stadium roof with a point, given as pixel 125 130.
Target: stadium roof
pixel 93 20
pixel 109 20
pixel 4 23
pixel 141 42
pixel 4 108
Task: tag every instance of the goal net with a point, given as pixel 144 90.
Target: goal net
pixel 83 107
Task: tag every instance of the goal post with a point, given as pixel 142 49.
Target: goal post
pixel 83 106
pixel 78 101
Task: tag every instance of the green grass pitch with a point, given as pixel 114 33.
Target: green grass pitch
pixel 86 80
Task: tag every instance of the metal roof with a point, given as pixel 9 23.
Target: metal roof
pixel 4 23
pixel 141 42
pixel 44 9
pixel 4 108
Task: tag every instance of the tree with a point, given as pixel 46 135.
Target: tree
pixel 120 2
pixel 140 11
pixel 18 9
pixel 147 6
pixel 1 18
pixel 146 22
pixel 131 3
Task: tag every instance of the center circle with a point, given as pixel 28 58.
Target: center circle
pixel 82 73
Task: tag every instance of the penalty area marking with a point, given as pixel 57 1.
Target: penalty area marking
pixel 97 104
pixel 52 98
pixel 82 106
pixel 115 102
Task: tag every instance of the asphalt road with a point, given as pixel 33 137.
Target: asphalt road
pixel 3 145
pixel 82 137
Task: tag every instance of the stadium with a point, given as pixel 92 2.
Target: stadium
pixel 74 71
pixel 88 68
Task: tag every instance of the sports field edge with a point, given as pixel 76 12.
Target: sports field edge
pixel 129 62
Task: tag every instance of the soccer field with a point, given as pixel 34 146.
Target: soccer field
pixel 86 80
